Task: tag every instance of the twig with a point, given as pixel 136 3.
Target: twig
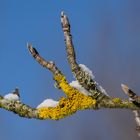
pixel 136 100
pixel 47 64
pixel 137 119
pixel 19 108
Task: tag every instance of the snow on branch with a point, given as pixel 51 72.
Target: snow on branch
pixel 83 93
pixel 48 103
pixel 82 74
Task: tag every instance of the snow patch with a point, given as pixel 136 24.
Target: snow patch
pixel 87 70
pixel 48 103
pixel 76 85
pixel 102 90
pixel 11 97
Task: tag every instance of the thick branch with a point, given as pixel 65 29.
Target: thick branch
pixel 117 103
pixel 74 101
pixel 66 107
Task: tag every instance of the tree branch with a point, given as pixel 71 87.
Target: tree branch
pixel 75 98
pixel 82 77
pixel 135 100
pixel 74 101
pixel 19 108
pixel 47 64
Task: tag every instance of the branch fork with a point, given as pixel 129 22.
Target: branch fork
pixel 75 99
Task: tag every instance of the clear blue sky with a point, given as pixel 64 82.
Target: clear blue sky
pixel 106 38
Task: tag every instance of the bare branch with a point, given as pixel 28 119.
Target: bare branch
pixel 135 100
pixel 133 97
pixel 19 108
pixel 137 119
pixel 82 77
pixel 47 64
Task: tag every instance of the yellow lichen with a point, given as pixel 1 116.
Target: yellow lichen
pixel 67 106
pixel 116 100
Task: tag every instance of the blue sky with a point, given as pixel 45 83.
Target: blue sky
pixel 106 38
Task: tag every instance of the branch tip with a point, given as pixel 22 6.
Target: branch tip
pixel 32 50
pixel 64 21
pixel 62 14
pixel 128 91
pixel 125 88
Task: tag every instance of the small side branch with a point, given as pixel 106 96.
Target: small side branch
pixel 137 119
pixel 135 100
pixel 19 108
pixel 47 64
pixel 132 96
pixel 82 77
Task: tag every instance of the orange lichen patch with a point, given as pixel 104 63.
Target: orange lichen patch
pixel 67 106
